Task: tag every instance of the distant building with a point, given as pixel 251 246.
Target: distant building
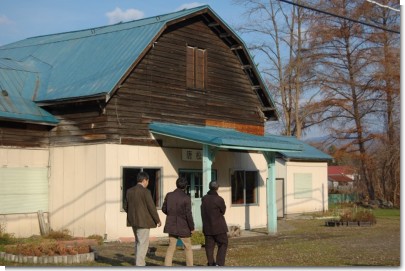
pixel 340 179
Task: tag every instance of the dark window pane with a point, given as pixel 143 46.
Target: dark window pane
pixel 237 184
pixel 251 187
pixel 129 179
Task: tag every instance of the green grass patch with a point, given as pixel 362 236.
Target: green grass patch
pixel 387 213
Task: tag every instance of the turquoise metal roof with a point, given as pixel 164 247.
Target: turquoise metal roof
pixel 308 152
pixel 224 137
pixel 19 82
pixel 90 62
pixel 80 64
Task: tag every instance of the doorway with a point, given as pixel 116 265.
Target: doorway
pixel 195 191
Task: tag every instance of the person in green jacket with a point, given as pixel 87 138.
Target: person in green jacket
pixel 141 215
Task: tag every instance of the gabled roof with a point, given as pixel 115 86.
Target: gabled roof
pixel 340 178
pixel 223 137
pixel 340 170
pixel 91 63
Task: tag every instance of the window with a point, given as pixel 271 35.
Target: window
pixel 244 187
pixel 129 179
pixel 23 190
pixel 196 68
pixel 302 185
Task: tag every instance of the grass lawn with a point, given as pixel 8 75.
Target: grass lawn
pixel 299 243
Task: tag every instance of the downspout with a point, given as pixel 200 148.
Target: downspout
pixel 271 192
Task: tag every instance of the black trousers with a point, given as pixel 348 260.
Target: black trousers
pixel 221 240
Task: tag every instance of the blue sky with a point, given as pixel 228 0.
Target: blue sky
pixel 20 19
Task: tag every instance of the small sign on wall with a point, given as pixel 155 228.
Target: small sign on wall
pixel 191 155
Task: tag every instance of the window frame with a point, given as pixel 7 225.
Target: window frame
pixel 256 187
pixel 159 185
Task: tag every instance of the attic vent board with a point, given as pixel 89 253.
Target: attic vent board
pixel 236 47
pixel 224 35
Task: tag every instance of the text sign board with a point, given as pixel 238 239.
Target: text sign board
pixel 191 155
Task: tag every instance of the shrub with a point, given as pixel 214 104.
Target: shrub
pixel 197 238
pixel 59 235
pixel 354 215
pixel 5 238
pixel 97 237
pixel 365 216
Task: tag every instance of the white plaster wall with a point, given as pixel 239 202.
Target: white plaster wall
pixel 22 225
pixel 249 216
pixel 119 156
pixel 77 189
pixel 319 200
pixel 169 159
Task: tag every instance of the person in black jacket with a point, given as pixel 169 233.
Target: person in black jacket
pixel 214 225
pixel 179 221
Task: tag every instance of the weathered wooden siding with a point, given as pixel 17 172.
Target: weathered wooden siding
pixel 156 91
pixel 23 135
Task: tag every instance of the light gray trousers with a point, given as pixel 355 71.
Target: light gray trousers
pixel 141 245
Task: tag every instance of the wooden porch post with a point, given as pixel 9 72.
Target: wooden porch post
pixel 271 193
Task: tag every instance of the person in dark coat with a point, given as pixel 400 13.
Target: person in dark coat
pixel 214 225
pixel 179 221
pixel 141 215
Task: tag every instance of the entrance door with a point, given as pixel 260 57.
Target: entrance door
pixel 194 190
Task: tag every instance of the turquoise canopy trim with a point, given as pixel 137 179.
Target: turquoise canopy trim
pixel 308 152
pixel 223 137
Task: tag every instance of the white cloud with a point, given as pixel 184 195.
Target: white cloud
pixel 4 20
pixel 119 15
pixel 189 5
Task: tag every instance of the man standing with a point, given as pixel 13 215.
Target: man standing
pixel 179 221
pixel 214 225
pixel 141 215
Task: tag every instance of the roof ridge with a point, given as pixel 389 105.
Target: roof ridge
pixel 93 31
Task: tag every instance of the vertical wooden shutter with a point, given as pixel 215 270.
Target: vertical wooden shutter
pixel 23 190
pixel 190 79
pixel 200 69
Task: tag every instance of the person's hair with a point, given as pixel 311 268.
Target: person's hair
pixel 181 183
pixel 142 176
pixel 213 185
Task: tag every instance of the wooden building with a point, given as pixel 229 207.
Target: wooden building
pixel 173 95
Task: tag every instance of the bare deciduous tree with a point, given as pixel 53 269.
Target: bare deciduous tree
pixel 279 40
